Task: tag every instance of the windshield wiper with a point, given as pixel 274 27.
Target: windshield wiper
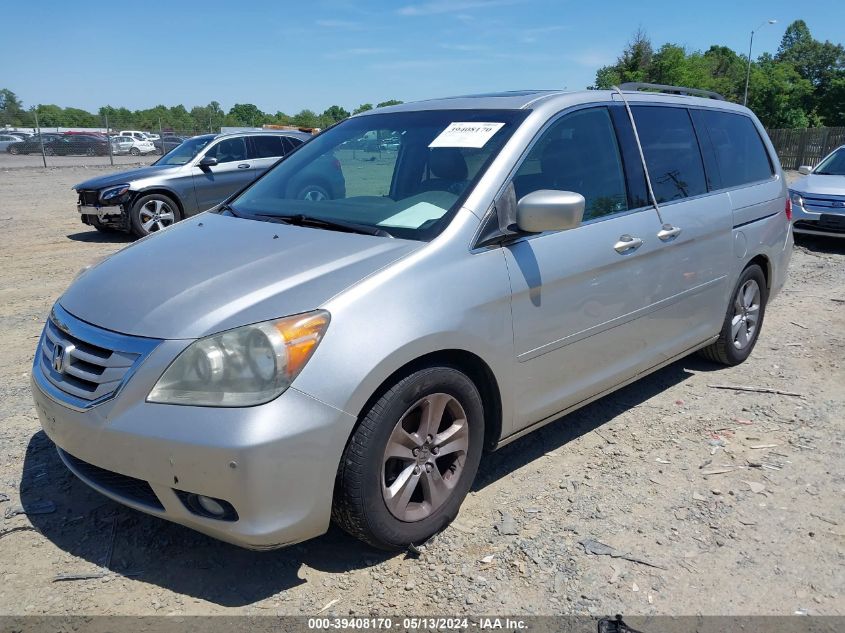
pixel 227 208
pixel 301 219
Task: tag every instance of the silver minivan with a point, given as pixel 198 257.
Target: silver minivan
pixel 502 260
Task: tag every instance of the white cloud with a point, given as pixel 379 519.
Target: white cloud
pixel 449 6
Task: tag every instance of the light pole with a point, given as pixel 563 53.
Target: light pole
pixel 750 44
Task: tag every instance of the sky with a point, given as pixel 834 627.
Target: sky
pixel 285 56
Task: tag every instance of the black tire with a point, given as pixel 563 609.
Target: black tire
pixel 313 191
pixel 138 209
pixel 724 350
pixel 91 151
pixel 49 151
pixel 13 150
pixel 359 505
pixel 135 151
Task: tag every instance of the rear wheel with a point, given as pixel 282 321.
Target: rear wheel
pixel 743 319
pixel 152 213
pixel 14 150
pixel 135 151
pixel 91 151
pixel 49 151
pixel 314 193
pixel 412 459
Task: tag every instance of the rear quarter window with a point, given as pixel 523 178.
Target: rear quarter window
pixel 741 156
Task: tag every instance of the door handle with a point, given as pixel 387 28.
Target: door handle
pixel 243 166
pixel 627 243
pixel 668 232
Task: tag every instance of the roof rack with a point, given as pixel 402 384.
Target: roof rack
pixel 676 90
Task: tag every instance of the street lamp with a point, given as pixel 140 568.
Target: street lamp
pixel 750 44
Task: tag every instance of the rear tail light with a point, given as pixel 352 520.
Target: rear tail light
pixel 788 209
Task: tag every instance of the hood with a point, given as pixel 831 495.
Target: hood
pixel 212 273
pixel 127 176
pixel 819 184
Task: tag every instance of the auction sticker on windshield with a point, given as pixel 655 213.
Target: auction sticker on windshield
pixel 466 135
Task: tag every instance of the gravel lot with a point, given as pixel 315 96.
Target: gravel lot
pixel 638 470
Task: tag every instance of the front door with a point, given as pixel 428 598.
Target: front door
pixel 232 172
pixel 581 297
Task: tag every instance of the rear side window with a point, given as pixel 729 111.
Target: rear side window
pixel 671 152
pixel 739 150
pixel 267 146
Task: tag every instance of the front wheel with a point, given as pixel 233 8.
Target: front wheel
pixel 743 319
pixel 411 460
pixel 14 150
pixel 49 151
pixel 152 213
pixel 135 151
pixel 314 193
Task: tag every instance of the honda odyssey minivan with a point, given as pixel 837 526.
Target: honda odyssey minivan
pixel 513 258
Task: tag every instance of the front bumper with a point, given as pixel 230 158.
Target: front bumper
pixel 275 463
pixel 830 222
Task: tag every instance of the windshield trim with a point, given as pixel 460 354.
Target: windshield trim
pixel 518 117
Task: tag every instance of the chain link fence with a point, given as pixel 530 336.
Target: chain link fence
pixel 47 139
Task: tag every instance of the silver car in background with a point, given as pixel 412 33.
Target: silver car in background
pixel 818 199
pixel 508 259
pixel 8 139
pixel 192 177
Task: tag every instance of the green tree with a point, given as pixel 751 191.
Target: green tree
pixel 632 65
pixel 306 118
pixel 334 114
pixel 363 108
pixel 11 108
pixel 245 114
pixel 389 102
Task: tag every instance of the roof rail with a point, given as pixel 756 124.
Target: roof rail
pixel 677 90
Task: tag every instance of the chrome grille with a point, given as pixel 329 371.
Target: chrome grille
pixel 824 204
pixel 85 362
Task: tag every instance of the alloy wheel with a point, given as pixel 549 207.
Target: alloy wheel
pixel 156 215
pixel 746 314
pixel 424 457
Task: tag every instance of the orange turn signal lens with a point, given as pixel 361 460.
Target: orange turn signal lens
pixel 302 334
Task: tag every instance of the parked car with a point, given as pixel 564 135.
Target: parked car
pixel 195 176
pixel 141 136
pixel 168 143
pixel 818 199
pixel 77 144
pixel 137 147
pixel 32 145
pixel 122 144
pixel 8 139
pixel 291 361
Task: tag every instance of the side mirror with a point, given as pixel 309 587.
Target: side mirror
pixel 548 210
pixel 805 170
pixel 208 161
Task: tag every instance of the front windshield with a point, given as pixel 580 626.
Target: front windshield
pixel 403 172
pixel 185 152
pixel 834 165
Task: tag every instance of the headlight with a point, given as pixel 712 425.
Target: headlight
pixel 796 198
pixel 243 367
pixel 113 192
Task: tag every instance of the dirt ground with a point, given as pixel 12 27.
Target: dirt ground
pixel 734 499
